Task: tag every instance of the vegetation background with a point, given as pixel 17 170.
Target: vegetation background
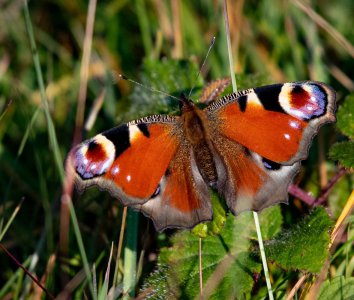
pixel 161 44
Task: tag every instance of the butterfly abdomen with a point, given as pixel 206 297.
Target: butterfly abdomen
pixel 195 126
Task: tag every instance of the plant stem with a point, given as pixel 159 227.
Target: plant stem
pixel 200 267
pixel 231 61
pixel 130 254
pixel 264 259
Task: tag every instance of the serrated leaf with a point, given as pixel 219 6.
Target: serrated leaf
pixel 157 285
pixel 305 245
pixel 344 153
pixel 345 116
pixel 339 288
pixel 226 260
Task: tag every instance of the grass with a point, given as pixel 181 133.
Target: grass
pixel 42 76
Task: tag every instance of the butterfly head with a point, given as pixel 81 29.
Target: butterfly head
pixel 185 104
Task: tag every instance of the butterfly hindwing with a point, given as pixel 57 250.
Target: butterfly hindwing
pixel 183 199
pixel 250 184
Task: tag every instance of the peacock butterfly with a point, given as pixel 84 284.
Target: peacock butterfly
pixel 247 146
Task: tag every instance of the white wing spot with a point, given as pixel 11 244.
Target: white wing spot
pixel 129 178
pixel 85 162
pixel 115 170
pixel 94 166
pixel 294 124
pixel 309 107
pixel 313 99
pixel 287 136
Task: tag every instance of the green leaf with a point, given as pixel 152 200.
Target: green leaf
pixel 227 260
pixel 305 245
pixel 339 288
pixel 169 76
pixel 103 291
pixel 216 225
pixel 345 116
pixel 271 221
pixel 344 153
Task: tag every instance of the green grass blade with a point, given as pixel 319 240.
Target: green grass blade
pixel 27 132
pixel 130 254
pixel 13 215
pixel 82 249
pixel 229 50
pixel 263 256
pixel 255 214
pixel 144 26
pixel 51 129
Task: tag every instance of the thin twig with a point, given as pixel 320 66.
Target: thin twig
pixel 97 105
pixel 25 270
pixel 326 190
pixel 299 193
pixel 302 195
pixel 296 287
pixel 84 71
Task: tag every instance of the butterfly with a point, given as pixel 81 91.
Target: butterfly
pixel 247 146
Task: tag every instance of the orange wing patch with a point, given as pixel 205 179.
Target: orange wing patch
pixel 247 175
pixel 244 177
pixel 179 190
pixel 138 170
pixel 183 198
pixel 272 135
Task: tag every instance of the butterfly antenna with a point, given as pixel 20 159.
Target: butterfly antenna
pixel 117 77
pixel 212 42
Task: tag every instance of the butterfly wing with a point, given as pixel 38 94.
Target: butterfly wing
pixel 183 199
pixel 245 182
pixel 278 121
pixel 143 165
pixel 269 130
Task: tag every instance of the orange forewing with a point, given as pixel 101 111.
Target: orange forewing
pixel 265 132
pixel 143 164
